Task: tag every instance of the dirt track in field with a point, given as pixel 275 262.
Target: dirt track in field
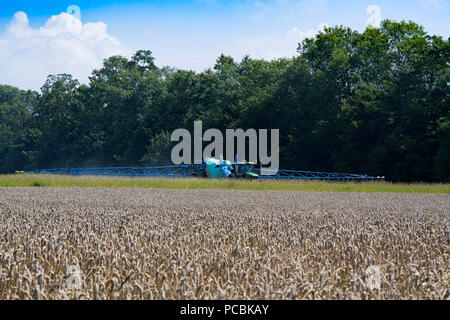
pixel 64 243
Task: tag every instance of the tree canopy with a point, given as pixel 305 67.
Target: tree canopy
pixel 375 102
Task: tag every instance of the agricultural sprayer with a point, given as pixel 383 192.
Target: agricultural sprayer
pixel 210 168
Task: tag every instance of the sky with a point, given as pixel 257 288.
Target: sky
pixel 38 38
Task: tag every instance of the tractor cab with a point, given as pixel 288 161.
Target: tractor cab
pixel 244 170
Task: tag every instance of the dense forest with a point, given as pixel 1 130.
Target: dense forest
pixel 375 102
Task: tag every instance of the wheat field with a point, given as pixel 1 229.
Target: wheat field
pixel 98 243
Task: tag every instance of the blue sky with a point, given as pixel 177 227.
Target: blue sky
pixel 185 34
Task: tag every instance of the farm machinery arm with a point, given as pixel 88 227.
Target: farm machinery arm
pixel 203 171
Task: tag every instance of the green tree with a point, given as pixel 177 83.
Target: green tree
pixel 159 150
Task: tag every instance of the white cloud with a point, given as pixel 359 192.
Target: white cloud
pixel 306 34
pixel 62 45
pixel 273 46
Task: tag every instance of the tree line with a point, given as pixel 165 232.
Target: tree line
pixel 374 102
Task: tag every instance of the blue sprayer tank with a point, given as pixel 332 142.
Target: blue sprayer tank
pixel 218 168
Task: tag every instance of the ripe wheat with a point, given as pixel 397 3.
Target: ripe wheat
pixel 81 243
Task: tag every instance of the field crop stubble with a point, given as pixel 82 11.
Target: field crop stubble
pixel 221 244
